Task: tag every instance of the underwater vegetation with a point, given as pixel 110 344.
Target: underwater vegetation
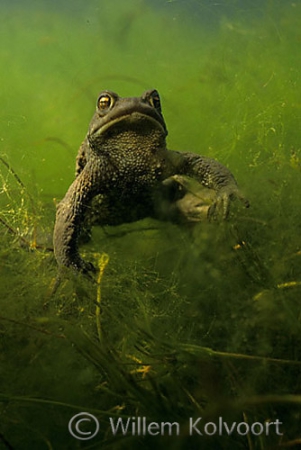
pixel 178 323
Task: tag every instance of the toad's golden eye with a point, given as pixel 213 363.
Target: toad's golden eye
pixel 104 102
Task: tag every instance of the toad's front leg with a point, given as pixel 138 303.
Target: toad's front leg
pixel 70 215
pixel 212 174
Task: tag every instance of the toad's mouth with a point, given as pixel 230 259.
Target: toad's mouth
pixel 134 122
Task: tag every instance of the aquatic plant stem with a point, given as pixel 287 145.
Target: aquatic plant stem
pixel 33 244
pixel 102 263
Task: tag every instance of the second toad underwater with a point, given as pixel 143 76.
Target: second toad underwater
pixel 125 173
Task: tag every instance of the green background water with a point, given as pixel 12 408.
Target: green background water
pixel 229 78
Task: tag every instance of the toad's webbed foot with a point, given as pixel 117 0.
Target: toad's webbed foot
pixel 221 206
pixel 85 267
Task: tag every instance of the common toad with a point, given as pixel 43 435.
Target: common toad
pixel 124 172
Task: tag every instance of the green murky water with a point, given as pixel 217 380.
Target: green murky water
pixel 180 325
